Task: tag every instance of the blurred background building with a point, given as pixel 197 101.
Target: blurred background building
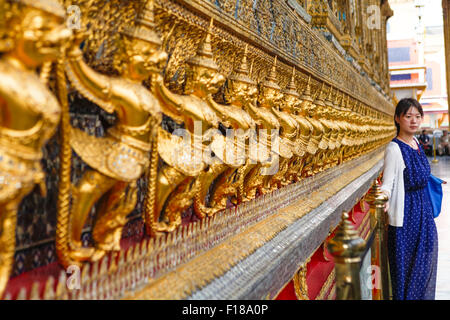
pixel 416 53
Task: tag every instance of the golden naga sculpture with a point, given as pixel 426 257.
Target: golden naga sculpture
pixel 269 146
pixel 30 113
pixel 236 157
pixel 185 159
pixel 117 160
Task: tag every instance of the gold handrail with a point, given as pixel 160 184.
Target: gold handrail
pixel 377 201
pixel 348 250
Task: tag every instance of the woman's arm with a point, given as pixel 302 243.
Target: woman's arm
pixel 389 171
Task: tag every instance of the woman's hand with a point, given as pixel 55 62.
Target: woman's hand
pixel 386 206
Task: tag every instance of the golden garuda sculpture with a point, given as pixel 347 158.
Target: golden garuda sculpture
pixel 303 142
pixel 289 130
pixel 352 130
pixel 341 118
pixel 322 116
pixel 223 177
pixel 185 154
pixel 32 33
pixel 318 137
pixel 359 133
pixel 309 134
pixel 268 130
pixel 119 158
pixel 240 91
pixel 332 156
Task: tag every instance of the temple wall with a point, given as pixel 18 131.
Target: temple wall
pixel 268 247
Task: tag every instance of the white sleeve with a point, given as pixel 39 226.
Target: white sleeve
pixel 389 170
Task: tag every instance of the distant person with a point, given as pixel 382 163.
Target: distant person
pixel 443 147
pixel 412 234
pixel 424 140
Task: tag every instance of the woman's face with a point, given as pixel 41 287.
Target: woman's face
pixel 410 121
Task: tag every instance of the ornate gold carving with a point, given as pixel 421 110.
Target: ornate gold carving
pixel 300 285
pixel 258 179
pixel 328 288
pixel 118 159
pixel 240 91
pixel 339 116
pixel 30 112
pixel 346 248
pixel 213 263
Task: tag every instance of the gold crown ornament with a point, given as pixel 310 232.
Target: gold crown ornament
pixel 291 88
pixel 144 27
pixel 319 101
pixel 271 79
pixel 306 96
pixel 242 73
pixel 204 55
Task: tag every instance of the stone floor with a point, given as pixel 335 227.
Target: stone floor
pixel 442 170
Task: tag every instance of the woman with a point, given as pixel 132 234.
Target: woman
pixel 412 235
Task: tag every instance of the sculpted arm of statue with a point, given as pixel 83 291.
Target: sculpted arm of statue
pixel 93 85
pixel 221 111
pixel 171 105
pixel 276 112
pixel 255 114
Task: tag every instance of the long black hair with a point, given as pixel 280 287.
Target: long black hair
pixel 403 106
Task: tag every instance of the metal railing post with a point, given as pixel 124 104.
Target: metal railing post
pixel 347 248
pixel 380 202
pixel 378 218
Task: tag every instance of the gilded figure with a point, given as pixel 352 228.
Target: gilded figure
pixel 186 158
pixel 269 145
pixel 332 156
pixel 220 180
pixel 304 140
pixel 317 141
pixel 239 91
pixel 32 34
pixel 289 133
pixel 318 113
pixel 119 158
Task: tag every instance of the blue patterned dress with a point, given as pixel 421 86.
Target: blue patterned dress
pixel 413 248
